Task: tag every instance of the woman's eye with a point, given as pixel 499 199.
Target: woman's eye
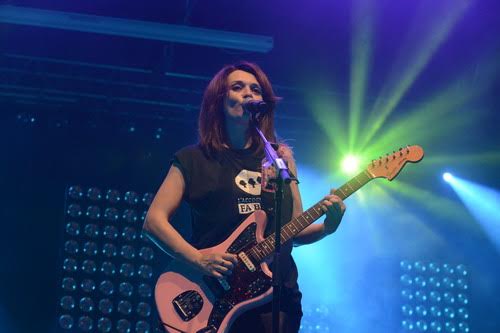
pixel 236 87
pixel 257 90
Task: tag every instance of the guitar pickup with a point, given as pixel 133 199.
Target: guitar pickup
pixel 248 263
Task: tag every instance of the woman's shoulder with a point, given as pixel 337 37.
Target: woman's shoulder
pixel 192 152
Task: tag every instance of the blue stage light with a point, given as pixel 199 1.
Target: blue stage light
pixel 447 176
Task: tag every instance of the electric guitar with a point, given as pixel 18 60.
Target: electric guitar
pixel 189 301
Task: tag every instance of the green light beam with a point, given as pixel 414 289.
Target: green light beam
pixel 405 74
pixel 361 50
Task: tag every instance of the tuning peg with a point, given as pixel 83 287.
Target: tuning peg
pixel 400 151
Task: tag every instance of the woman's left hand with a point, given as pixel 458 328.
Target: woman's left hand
pixel 334 208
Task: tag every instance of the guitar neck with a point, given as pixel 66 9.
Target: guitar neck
pixel 296 225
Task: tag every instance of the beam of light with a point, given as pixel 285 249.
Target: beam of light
pixel 483 158
pixel 361 50
pixel 449 110
pixel 327 111
pixel 483 203
pixel 405 73
pixel 374 230
pixel 437 205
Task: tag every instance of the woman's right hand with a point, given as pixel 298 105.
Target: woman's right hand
pixel 216 264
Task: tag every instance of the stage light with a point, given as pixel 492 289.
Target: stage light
pixel 129 234
pixel 88 285
pixel 106 287
pixel 123 326
pixel 434 268
pixel 435 311
pixel 71 247
pixel 463 313
pixel 407 310
pixel 350 164
pixel 145 290
pixel 435 296
pixel 113 196
pixel 127 270
pixel 85 323
pixel 147 198
pixel 462 299
pixel 69 284
pixel 86 304
pixel 73 228
pixel 90 248
pixel 405 265
pixel 74 210
pixel 94 194
pixel 124 307
pixel 449 298
pixel 104 325
pixel 67 303
pixel 421 296
pixel 406 294
pixel 434 282
pixel 75 192
pixel 135 28
pixel 146 253
pixel 89 266
pixel 420 281
pixel 145 272
pixel 109 250
pixel 91 230
pixel 436 326
pixel 450 327
pixel 421 311
pixel 126 289
pixel 111 214
pixel 142 327
pixel 447 176
pixel 421 325
pixel 97 244
pixel 70 265
pixel 131 198
pixel 93 212
pixel 106 306
pixel 143 309
pixel 66 321
pixel 449 312
pixel 110 232
pixel 108 268
pixel 441 303
pixel 463 327
pixel 130 215
pixel 407 324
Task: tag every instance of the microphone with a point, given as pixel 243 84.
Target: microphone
pixel 255 107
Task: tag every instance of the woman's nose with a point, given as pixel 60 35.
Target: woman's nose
pixel 247 93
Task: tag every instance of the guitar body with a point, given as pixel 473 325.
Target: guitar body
pixel 189 301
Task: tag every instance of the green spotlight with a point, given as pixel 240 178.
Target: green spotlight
pixel 350 164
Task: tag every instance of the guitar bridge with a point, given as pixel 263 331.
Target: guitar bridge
pixel 188 304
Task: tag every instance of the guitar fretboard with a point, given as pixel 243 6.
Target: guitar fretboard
pixel 265 248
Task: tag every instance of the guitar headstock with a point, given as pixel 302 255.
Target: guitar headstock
pixel 390 165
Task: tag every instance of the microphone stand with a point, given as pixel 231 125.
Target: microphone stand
pixel 283 177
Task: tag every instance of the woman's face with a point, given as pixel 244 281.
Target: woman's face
pixel 243 87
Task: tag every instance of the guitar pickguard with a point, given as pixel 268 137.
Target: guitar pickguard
pixel 244 284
